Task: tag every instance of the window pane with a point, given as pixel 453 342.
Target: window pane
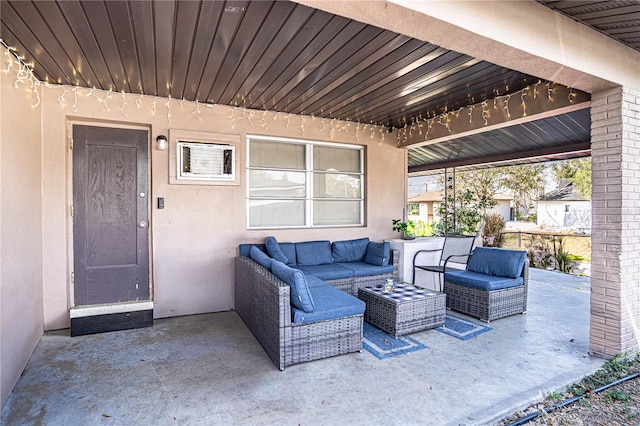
pixel 334 185
pixel 276 213
pixel 276 155
pixel 277 183
pixel 336 212
pixel 336 159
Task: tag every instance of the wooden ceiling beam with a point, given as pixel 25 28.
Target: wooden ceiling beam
pixel 531 103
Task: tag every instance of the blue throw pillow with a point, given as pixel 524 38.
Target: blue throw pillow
pixel 273 248
pixel 300 295
pixel 349 250
pixel 313 253
pixel 378 253
pixel 261 257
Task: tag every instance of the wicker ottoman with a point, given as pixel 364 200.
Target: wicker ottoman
pixel 405 310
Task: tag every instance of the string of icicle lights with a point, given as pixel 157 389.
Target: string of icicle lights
pixel 424 126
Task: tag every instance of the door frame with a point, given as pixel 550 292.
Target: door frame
pixel 70 122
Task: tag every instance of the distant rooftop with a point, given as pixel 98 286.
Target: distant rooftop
pixel 564 192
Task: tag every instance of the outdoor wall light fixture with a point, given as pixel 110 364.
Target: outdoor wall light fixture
pixel 162 143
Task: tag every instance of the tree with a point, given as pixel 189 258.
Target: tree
pixel 483 183
pixel 526 182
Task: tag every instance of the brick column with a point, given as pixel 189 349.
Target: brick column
pixel 615 247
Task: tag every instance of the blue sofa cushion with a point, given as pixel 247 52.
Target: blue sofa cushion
pixel 331 303
pixel 378 253
pixel 328 271
pixel 349 250
pixel 301 297
pixel 261 257
pixel 273 248
pixel 481 280
pixel 496 261
pixel 289 250
pixel 313 253
pixel 362 269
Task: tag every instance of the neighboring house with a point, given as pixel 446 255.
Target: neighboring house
pixel 564 208
pixel 425 206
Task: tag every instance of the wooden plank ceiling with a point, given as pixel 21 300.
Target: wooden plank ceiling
pixel 273 55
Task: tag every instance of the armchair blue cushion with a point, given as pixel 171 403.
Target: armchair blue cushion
pixel 313 253
pixel 273 248
pixel 260 257
pixel 481 280
pixel 300 295
pixel 378 253
pixel 349 250
pixel 497 262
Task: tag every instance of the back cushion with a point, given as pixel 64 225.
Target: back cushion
pixel 289 250
pixel 349 250
pixel 378 253
pixel 300 296
pixel 273 248
pixel 313 253
pixel 497 262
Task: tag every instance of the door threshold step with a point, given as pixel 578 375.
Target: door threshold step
pixel 95 319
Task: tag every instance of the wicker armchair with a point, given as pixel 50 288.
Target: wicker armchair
pixel 488 305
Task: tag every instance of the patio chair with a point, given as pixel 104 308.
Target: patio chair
pixel 455 251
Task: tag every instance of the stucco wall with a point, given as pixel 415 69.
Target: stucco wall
pixel 194 238
pixel 20 228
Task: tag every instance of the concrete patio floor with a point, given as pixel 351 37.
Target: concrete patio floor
pixel 209 370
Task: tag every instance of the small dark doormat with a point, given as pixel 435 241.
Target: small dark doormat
pixel 383 345
pixel 461 328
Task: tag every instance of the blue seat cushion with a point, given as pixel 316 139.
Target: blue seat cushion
pixel 497 261
pixel 329 271
pixel 313 253
pixel 349 250
pixel 313 282
pixel 362 269
pixel 482 281
pixel 261 257
pixel 273 248
pixel 301 297
pixel 331 303
pixel 378 253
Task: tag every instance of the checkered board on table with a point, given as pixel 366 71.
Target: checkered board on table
pixel 402 292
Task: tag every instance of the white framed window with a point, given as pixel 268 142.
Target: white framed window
pixel 295 183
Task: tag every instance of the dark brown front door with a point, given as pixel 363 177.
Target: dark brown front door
pixel 110 219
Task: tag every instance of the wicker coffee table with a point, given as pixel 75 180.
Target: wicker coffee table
pixel 404 310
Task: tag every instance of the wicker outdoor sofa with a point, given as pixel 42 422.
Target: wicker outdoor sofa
pixel 493 285
pixel 289 335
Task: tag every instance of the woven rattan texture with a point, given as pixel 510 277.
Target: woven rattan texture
pixel 405 310
pixel 488 305
pixel 263 303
